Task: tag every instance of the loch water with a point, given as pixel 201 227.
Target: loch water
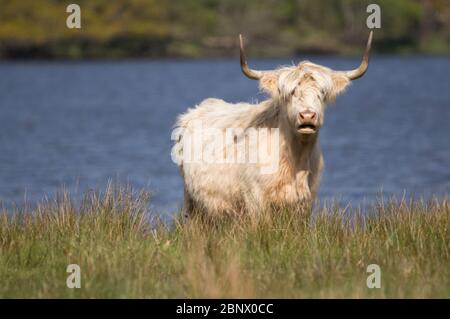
pixel 78 125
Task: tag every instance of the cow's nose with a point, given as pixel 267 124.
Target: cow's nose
pixel 307 116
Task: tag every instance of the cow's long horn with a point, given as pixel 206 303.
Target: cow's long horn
pixel 359 72
pixel 252 74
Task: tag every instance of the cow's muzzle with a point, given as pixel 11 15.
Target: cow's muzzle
pixel 307 122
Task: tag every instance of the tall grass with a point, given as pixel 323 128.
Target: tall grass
pixel 123 252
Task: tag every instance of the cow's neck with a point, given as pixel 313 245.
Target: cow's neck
pixel 295 150
pixel 296 154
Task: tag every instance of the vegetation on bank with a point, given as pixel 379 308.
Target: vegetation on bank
pixel 194 28
pixel 123 253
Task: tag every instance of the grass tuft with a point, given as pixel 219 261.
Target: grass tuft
pixel 125 252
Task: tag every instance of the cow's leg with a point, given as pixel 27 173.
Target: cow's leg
pixel 188 205
pixel 315 175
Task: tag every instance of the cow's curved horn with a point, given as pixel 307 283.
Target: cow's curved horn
pixel 252 74
pixel 359 72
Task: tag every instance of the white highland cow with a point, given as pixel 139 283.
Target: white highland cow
pixel 243 158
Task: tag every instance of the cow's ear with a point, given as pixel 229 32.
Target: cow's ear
pixel 340 83
pixel 269 83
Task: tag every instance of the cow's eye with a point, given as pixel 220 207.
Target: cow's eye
pixel 320 95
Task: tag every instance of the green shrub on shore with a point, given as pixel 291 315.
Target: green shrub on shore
pixel 124 253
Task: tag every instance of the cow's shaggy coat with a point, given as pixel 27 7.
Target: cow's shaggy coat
pixel 216 187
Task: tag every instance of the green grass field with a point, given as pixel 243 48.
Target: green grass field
pixel 123 254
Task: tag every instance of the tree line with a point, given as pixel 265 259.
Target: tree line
pixel 204 28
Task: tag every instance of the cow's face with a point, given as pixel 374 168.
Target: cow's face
pixel 303 92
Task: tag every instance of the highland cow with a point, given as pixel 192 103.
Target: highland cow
pixel 233 180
